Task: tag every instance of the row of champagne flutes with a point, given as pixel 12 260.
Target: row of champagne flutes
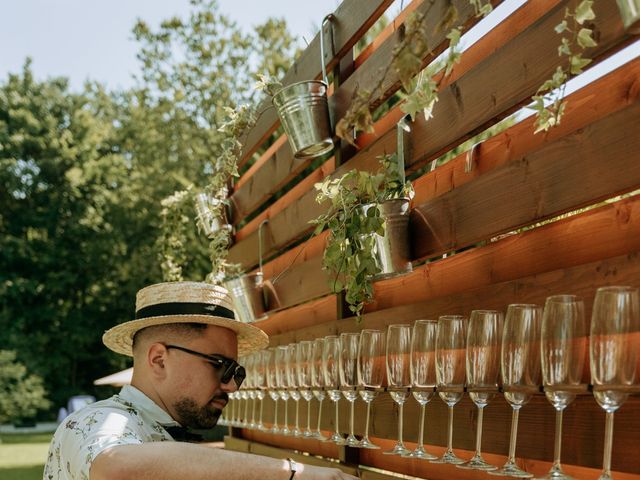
pixel 529 347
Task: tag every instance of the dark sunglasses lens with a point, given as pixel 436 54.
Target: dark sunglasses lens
pixel 239 376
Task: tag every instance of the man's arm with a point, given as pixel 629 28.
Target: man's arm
pixel 184 461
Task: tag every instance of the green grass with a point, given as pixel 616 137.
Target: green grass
pixel 22 456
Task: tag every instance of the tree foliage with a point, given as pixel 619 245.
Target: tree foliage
pixel 82 176
pixel 21 394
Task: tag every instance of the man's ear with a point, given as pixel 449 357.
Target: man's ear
pixel 156 357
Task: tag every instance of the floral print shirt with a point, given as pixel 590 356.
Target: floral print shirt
pixel 129 417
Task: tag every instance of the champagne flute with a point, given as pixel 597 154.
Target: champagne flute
pixel 423 375
pixel 244 393
pixel 347 363
pixel 370 373
pixel 330 355
pixel 564 347
pixel 451 339
pixel 398 375
pixel 615 320
pixel 303 364
pixel 520 367
pixel 283 383
pixel 261 381
pixel 317 382
pixel 272 385
pixel 292 375
pixel 483 369
pixel 251 369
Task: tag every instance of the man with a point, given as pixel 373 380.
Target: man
pixel 184 342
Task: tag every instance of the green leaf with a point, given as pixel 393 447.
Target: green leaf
pixel 584 11
pixel 578 63
pixel 561 27
pixel 585 40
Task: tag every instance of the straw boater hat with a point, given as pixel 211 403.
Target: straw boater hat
pixel 184 302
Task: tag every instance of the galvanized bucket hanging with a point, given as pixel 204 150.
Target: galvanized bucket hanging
pixel 248 291
pixel 211 214
pixel 303 109
pixel 393 250
pixel 630 14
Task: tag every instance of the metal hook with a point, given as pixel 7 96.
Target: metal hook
pixel 329 17
pixel 470 159
pixel 402 144
pixel 264 222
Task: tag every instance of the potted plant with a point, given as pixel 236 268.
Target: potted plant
pixel 367 220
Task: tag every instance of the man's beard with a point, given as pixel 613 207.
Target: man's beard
pixel 192 416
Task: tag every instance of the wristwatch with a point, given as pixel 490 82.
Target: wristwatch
pixel 293 466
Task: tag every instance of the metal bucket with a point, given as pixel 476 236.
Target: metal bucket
pixel 303 109
pixel 211 214
pixel 393 251
pixel 304 113
pixel 246 293
pixel 630 14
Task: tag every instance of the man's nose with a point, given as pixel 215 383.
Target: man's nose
pixel 229 387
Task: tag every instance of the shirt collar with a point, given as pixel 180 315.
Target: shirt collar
pixel 136 397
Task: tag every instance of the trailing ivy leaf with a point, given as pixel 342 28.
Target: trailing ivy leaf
pixel 584 11
pixel 561 27
pixel 585 40
pixel 578 63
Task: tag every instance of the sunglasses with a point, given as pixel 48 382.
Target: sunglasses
pixel 229 368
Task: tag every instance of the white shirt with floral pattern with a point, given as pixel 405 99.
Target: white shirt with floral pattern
pixel 129 417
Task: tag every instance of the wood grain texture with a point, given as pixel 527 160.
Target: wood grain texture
pixel 593 163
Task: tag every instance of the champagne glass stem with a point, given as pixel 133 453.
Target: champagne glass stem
pixel 253 412
pixel 450 430
pixel 366 425
pixel 245 419
pixel 286 414
pixel 319 415
pixel 308 415
pixel 351 423
pixel 400 423
pixel 558 440
pixel 337 429
pixel 479 431
pixel 261 410
pixel 608 439
pixel 275 415
pixel 297 416
pixel 421 434
pixel 514 435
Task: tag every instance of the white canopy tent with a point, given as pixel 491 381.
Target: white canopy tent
pixel 117 379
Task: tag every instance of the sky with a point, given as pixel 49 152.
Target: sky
pixel 91 39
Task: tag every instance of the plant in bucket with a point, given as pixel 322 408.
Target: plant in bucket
pixel 368 220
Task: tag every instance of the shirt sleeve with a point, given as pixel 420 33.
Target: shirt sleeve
pixel 84 437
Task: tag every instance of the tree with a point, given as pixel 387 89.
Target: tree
pixel 82 176
pixel 21 395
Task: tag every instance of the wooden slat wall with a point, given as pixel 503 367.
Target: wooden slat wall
pixel 517 179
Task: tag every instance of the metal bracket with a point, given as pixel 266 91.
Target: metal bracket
pixel 330 18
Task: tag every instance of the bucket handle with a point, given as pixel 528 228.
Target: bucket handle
pixel 330 17
pixel 264 222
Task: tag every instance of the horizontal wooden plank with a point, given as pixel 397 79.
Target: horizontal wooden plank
pixel 298 191
pixel 293 221
pixel 596 162
pixel 316 312
pixel 352 19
